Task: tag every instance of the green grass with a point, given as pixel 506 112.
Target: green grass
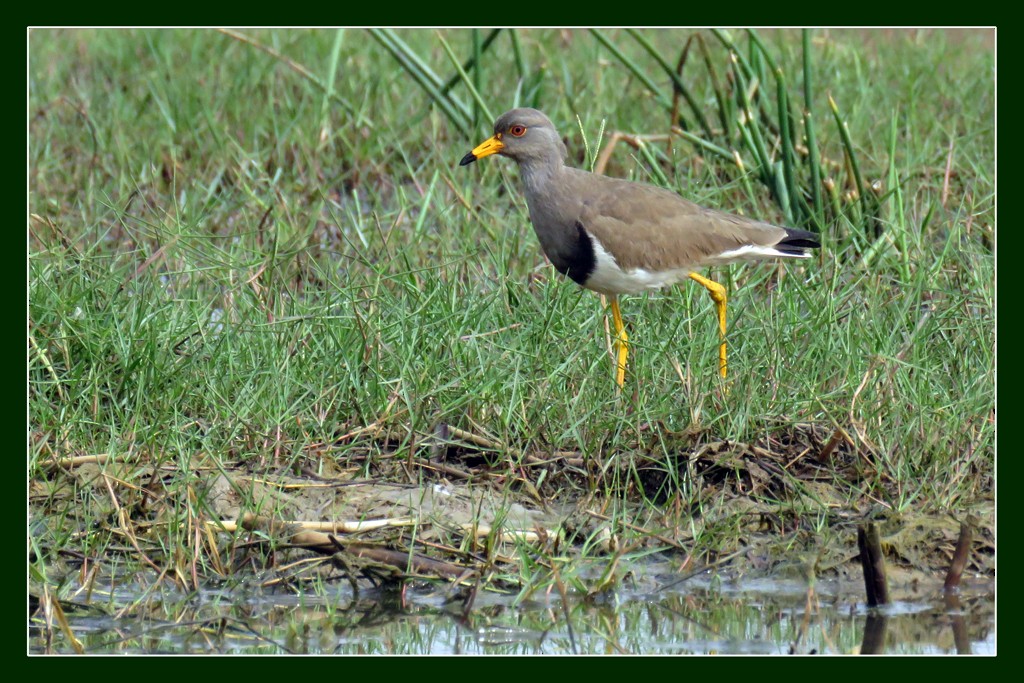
pixel 234 260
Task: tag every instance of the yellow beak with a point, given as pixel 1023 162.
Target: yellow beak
pixel 490 146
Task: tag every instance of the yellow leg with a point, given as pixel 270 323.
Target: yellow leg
pixel 717 293
pixel 621 343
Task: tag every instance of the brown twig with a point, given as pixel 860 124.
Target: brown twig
pixel 838 436
pixel 403 560
pixel 400 561
pixel 875 361
pixel 633 140
pixel 571 458
pixel 52 611
pixel 946 175
pixel 250 521
pixel 525 535
pixel 123 522
pixel 474 439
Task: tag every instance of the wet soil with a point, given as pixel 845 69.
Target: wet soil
pixel 467 509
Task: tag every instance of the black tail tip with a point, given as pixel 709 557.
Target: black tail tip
pixel 800 239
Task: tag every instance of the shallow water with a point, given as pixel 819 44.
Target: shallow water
pixel 703 616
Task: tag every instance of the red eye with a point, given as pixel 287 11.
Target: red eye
pixel 517 130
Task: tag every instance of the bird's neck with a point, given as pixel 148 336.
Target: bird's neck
pixel 540 175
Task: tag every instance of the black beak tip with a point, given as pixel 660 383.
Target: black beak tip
pixel 467 160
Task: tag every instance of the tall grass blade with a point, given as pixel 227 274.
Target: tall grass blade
pixel 517 54
pixel 477 99
pixel 473 61
pixel 768 58
pixel 652 162
pixel 727 41
pixel 452 108
pixel 725 108
pixel 477 78
pixel 782 192
pixel 697 110
pixel 709 146
pixel 332 72
pixel 635 69
pixel 788 153
pixel 412 57
pixel 898 223
pixel 749 123
pixel 749 71
pixel 851 158
pixel 813 158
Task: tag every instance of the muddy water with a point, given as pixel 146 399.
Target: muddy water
pixel 705 616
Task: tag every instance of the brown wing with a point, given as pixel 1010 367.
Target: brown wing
pixel 652 228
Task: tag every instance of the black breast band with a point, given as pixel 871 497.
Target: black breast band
pixel 579 261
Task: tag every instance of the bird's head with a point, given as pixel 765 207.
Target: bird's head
pixel 523 135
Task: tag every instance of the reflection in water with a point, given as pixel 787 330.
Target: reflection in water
pixel 959 623
pixel 762 618
pixel 873 642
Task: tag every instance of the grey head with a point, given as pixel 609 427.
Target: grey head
pixel 525 135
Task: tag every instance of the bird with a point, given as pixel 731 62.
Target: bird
pixel 616 236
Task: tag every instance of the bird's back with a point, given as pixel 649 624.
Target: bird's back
pixel 652 228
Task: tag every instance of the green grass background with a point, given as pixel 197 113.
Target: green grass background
pixel 237 254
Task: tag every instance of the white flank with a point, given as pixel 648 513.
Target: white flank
pixel 608 278
pixel 751 252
